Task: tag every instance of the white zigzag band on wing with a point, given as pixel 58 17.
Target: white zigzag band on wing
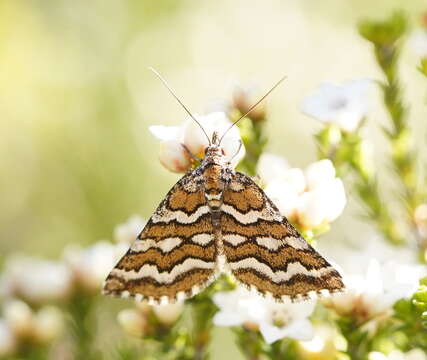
pixel 251 216
pixel 267 242
pixel 168 244
pixel 293 269
pixel 164 277
pixel 180 216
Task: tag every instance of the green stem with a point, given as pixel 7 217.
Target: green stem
pixel 250 343
pixel 347 154
pixel 83 328
pixel 203 309
pixel 254 140
pixel 386 37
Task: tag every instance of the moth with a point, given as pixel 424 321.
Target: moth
pixel 216 220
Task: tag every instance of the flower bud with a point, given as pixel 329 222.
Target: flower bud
pixel 242 100
pixel 169 313
pixel 133 322
pixel 8 341
pixel 48 324
pixel 18 317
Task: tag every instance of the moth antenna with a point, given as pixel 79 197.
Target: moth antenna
pixel 180 102
pixel 253 106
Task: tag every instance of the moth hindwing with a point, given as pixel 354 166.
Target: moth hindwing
pixel 214 220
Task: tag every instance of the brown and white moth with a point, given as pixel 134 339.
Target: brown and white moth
pixel 217 220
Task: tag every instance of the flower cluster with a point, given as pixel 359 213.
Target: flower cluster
pixel 274 320
pixel 29 283
pixel 374 282
pixel 414 354
pixel 20 326
pixel 311 198
pixel 179 144
pixel 35 280
pixel 143 319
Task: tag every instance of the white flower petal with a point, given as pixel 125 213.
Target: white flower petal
pixel 418 42
pixel 165 133
pixel 284 196
pixel 271 166
pixel 194 138
pixel 92 265
pixel 312 209
pixel 335 193
pixel 319 172
pixel 46 281
pixel 295 178
pixel 301 330
pixel 128 231
pixel 271 333
pixel 174 157
pixel 344 105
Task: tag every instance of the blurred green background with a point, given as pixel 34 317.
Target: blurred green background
pixel 76 156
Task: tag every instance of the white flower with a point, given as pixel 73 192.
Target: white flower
pixel 373 286
pixel 167 314
pixel 38 280
pixel 43 326
pixel 414 354
pixel 322 204
pixel 92 265
pixel 7 340
pixel 128 231
pixel 132 321
pixel 173 155
pixel 319 173
pixel 310 198
pixel 344 105
pixel 274 320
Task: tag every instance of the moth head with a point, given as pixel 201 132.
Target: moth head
pixel 214 148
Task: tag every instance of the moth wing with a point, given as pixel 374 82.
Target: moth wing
pixel 174 255
pixel 264 251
